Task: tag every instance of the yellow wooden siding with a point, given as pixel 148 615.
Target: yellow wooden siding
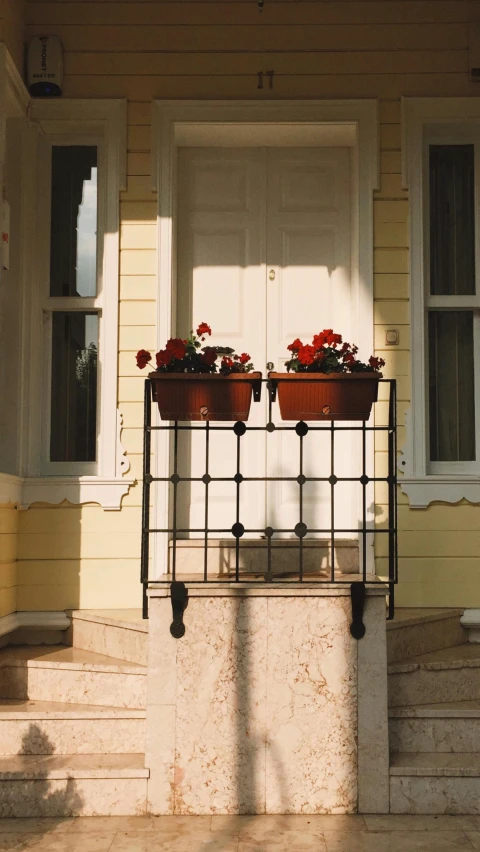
pixel 12 24
pixel 182 49
pixel 8 556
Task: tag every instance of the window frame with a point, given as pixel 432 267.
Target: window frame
pixel 427 121
pixel 76 122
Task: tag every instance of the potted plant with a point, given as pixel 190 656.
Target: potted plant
pixel 326 381
pixel 195 382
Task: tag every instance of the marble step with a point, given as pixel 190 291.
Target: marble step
pixel 49 727
pixel 421 631
pixel 119 633
pixel 452 674
pixel 73 785
pixel 442 728
pixel 435 783
pixel 71 675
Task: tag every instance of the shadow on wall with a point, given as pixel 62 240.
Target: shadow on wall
pixel 39 796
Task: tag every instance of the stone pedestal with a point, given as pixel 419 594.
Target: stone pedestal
pixel 267 704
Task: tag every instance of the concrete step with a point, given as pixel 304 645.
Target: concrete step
pixel 435 783
pixel 50 727
pixel 119 633
pixel 452 674
pixel 317 556
pixel 441 728
pixel 71 675
pixel 72 785
pixel 421 631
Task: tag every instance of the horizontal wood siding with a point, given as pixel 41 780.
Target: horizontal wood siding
pixel 12 29
pixel 181 49
pixel 8 559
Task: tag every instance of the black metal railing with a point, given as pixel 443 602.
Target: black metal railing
pixel 368 531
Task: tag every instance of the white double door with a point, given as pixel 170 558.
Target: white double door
pixel 264 256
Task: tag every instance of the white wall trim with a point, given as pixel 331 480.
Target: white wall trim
pixel 175 122
pixel 422 488
pixel 34 621
pixel 24 491
pixel 75 489
pixel 10 489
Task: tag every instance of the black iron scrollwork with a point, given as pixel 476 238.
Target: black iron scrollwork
pixel 357 627
pixel 179 595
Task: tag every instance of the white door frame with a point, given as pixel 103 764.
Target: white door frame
pixel 180 123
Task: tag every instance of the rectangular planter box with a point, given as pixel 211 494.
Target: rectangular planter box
pixel 205 396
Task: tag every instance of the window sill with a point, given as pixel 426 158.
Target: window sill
pixel 423 490
pixel 107 492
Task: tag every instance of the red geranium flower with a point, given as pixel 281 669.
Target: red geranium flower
pixel 176 348
pixel 376 363
pixel 227 362
pixel 333 339
pixel 210 355
pixel 306 355
pixel 163 358
pixel 203 328
pixel 349 358
pixel 143 357
pixel 244 358
pixel 319 340
pixel 295 346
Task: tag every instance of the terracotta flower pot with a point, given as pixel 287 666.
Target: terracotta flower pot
pixel 205 396
pixel 332 396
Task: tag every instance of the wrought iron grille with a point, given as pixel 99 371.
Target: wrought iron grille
pixel 369 529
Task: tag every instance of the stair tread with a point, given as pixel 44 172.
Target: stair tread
pixel 446 764
pixel 128 619
pixel 409 617
pixel 445 710
pixel 72 766
pixel 62 656
pixel 17 708
pixel 459 656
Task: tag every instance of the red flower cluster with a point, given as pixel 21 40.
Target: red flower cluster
pixel 188 356
pixel 306 355
pixel 143 358
pixel 327 337
pixel 203 328
pixel 328 354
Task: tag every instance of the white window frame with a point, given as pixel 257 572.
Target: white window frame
pixel 435 121
pixel 103 123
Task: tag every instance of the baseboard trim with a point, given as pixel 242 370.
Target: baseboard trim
pixel 34 621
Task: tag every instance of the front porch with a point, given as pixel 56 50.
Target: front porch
pixel 73 719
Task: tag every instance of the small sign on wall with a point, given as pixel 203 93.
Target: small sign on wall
pixel 6 235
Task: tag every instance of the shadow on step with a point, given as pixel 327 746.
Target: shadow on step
pixel 27 790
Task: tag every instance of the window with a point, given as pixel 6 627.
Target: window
pixel 70 423
pixel 450 285
pixel 441 457
pixel 73 276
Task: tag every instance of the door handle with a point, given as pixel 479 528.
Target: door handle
pixel 270 365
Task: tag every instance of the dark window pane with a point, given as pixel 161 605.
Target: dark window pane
pixel 452 402
pixel 452 220
pixel 74 387
pixel 73 246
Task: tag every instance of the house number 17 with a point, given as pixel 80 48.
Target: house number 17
pixel 261 75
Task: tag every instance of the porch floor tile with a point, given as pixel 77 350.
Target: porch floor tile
pixel 243 834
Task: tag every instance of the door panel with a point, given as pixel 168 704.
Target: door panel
pixel 308 258
pixel 247 216
pixel 221 280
